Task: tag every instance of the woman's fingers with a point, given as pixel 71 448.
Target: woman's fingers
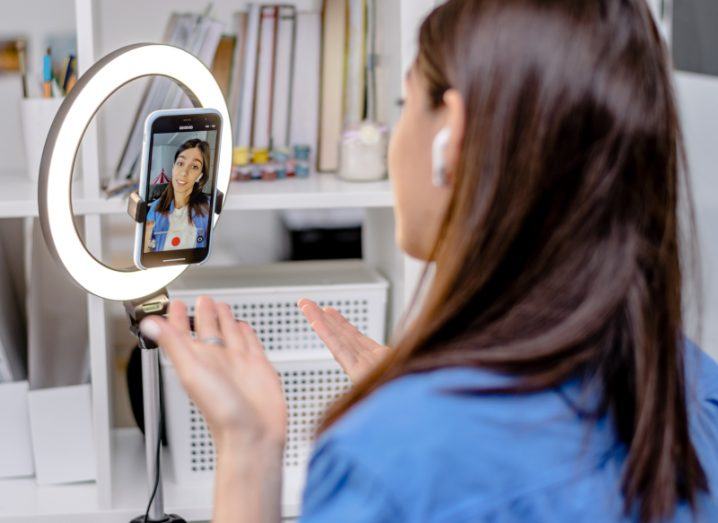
pixel 351 331
pixel 312 312
pixel 337 321
pixel 231 331
pixel 177 316
pixel 254 344
pixel 331 333
pixel 338 347
pixel 205 319
pixel 176 344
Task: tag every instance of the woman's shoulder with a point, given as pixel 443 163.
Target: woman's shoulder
pixel 443 425
pixel 416 401
pixel 425 403
pixel 414 433
pixel 702 396
pixel 701 372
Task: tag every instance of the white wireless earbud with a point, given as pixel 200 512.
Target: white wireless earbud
pixel 438 162
pixel 199 179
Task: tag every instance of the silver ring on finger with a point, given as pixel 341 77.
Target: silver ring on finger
pixel 213 340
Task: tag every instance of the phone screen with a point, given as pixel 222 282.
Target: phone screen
pixel 180 189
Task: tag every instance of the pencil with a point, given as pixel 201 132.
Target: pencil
pixel 47 74
pixel 23 67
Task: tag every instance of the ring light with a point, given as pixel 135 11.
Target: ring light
pixel 58 159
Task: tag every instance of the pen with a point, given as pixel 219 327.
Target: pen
pixel 71 82
pixel 68 72
pixel 47 74
pixel 23 68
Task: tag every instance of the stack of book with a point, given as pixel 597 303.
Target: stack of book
pixel 290 78
pixel 274 95
pixel 348 73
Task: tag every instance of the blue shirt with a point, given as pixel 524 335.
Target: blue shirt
pixel 409 452
pixel 162 225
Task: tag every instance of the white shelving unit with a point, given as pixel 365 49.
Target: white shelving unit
pixel 120 491
pixel 102 25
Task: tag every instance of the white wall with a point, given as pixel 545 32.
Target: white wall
pixel 698 99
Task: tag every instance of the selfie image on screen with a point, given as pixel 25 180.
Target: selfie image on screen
pixel 179 192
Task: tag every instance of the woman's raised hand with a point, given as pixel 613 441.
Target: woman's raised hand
pixel 224 371
pixel 356 353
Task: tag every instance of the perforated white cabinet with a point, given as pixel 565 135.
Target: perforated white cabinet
pixel 266 297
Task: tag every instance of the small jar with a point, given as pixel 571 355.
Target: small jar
pixel 243 173
pixel 240 156
pixel 241 170
pixel 280 157
pixel 302 166
pixel 260 155
pixel 269 172
pixel 363 152
pixel 255 171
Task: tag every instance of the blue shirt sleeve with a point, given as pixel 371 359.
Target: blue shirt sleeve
pixel 152 212
pixel 341 489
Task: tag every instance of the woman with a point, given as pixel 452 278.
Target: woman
pixel 178 219
pixel 546 377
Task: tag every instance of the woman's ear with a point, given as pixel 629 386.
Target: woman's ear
pixel 455 123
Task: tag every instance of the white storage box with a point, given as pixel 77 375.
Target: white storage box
pixel 62 439
pixel 15 444
pixel 266 298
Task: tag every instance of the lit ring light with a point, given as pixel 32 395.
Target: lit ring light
pixel 58 159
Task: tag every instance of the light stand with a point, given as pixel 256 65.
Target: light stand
pixel 143 292
pixel 137 310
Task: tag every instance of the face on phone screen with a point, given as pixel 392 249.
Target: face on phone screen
pixel 180 189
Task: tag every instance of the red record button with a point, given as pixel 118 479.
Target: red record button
pixel 175 241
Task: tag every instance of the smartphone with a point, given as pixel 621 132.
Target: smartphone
pixel 178 180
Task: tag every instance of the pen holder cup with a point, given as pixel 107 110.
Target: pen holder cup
pixel 37 115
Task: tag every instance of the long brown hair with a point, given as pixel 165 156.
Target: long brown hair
pixel 559 253
pixel 198 200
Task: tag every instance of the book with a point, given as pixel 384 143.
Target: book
pixel 304 122
pixel 355 69
pixel 241 21
pixel 244 125
pixel 283 87
pixel 334 17
pixel 177 32
pixel 222 63
pixel 13 342
pixel 264 80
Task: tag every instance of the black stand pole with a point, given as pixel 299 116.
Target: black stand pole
pixel 137 310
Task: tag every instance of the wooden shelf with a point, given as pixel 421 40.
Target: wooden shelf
pixel 18 197
pixel 23 501
pixel 320 191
